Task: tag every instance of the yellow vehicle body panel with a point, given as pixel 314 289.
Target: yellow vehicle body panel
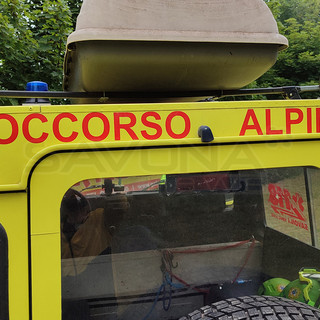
pixel 40 161
pixel 28 134
pixel 14 218
pixel 74 167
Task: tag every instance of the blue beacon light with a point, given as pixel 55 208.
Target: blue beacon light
pixel 37 86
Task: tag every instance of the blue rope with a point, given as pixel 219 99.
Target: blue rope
pixel 154 302
pixel 166 281
pixel 174 285
pixel 165 306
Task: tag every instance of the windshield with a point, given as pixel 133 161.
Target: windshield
pixel 158 247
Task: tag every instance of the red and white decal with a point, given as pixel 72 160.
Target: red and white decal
pixel 286 206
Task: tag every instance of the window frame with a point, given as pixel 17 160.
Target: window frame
pixel 311 201
pixel 59 171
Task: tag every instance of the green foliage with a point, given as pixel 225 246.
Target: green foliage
pixel 17 45
pixel 275 7
pixel 33 34
pixel 299 21
pixel 33 37
pixel 51 27
pixel 74 6
pixel 301 10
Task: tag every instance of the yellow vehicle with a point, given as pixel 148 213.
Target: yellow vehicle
pixel 137 208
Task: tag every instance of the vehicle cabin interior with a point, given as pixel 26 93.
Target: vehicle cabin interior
pixel 202 241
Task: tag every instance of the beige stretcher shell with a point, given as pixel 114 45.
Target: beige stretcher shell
pixel 170 45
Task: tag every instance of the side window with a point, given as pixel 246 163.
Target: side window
pixel 314 175
pixel 286 202
pixel 158 247
pixel 4 312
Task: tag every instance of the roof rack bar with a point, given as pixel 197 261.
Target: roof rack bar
pixel 49 94
pixel 309 88
pixel 216 94
pixel 288 92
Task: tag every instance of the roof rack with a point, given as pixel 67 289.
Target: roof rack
pixel 289 92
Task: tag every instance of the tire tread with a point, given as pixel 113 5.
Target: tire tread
pixel 255 308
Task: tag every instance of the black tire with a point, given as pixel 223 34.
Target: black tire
pixel 255 308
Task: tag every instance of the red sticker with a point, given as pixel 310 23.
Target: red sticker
pixel 286 206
